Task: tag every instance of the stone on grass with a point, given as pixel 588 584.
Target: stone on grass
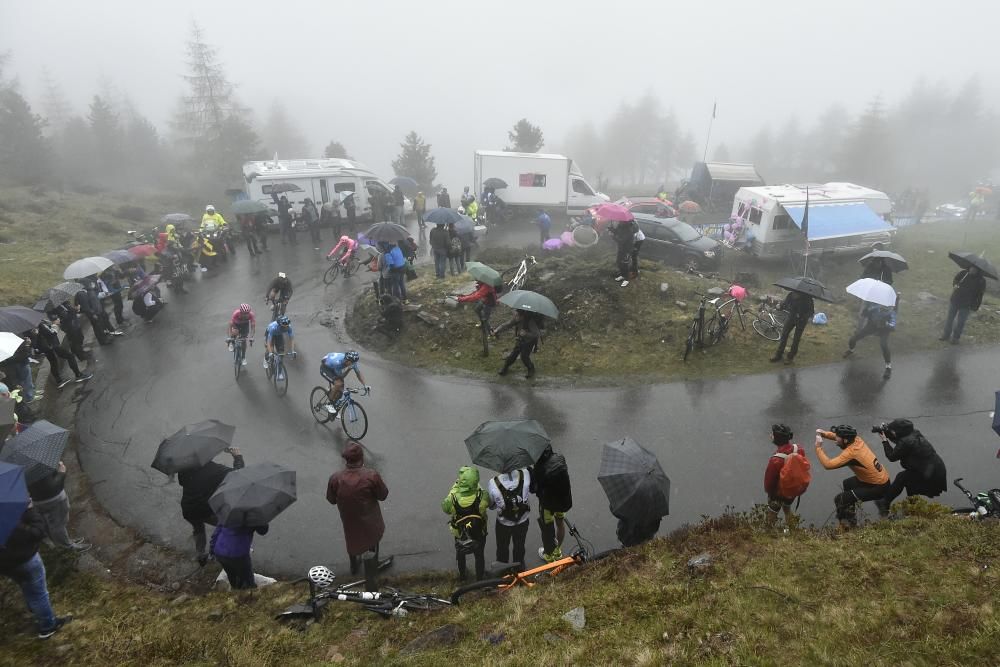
pixel 664 288
pixel 446 635
pixel 701 563
pixel 576 617
pixel 681 304
pixel 428 318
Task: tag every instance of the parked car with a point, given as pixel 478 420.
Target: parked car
pixel 674 242
pixel 649 206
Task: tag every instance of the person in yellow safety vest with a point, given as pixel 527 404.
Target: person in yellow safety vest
pixel 211 217
pixel 171 233
pixel 472 209
pixel 202 247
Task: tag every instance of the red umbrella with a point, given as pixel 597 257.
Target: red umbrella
pixel 614 212
pixel 145 284
pixel 690 207
pixel 144 250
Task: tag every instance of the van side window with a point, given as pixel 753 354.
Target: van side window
pixel 343 187
pixel 581 187
pixel 782 221
pixel 755 215
pixel 742 210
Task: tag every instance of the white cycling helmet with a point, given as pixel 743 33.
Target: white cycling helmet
pixel 461 210
pixel 321 576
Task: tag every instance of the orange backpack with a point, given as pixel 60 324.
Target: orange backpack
pixel 795 476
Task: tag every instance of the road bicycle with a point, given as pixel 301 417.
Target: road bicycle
pixel 702 334
pixel 276 372
pixel 277 306
pixel 239 353
pixel 337 268
pixel 515 277
pixel 385 602
pixel 584 553
pixel 985 504
pixel 770 319
pixel 353 417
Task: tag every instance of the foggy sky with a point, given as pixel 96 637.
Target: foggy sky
pixel 461 73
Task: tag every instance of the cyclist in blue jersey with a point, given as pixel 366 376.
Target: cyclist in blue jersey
pixel 274 338
pixel 334 368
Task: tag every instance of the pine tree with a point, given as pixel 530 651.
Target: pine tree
pixel 55 107
pixel 525 137
pixel 107 133
pixel 24 151
pixel 415 161
pixel 279 135
pixel 866 156
pixel 335 149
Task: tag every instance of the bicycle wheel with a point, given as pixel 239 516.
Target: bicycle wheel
pixel 484 585
pixel 237 360
pixel 354 420
pixel 280 377
pixel 716 328
pixel 332 273
pixel 318 400
pixel 424 602
pixel 766 329
pixel 352 267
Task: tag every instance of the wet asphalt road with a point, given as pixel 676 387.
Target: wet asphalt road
pixel 711 436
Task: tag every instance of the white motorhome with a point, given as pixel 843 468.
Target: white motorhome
pixel 536 180
pixel 322 180
pixel 843 217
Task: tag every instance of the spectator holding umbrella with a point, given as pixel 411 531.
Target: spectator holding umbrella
pixel 526 336
pixel 637 489
pixel 968 287
pixel 45 339
pixel 878 317
pixel 110 287
pixel 198 485
pixel 231 546
pixel 357 492
pixel 440 242
pixel 800 307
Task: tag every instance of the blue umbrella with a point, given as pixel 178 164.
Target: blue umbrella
pixel 13 498
pixel 442 216
pixel 465 225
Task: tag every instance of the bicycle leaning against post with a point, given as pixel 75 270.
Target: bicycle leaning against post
pixel 353 418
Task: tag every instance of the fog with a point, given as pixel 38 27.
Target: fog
pixel 461 74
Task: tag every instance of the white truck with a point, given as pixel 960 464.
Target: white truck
pixel 322 180
pixel 526 182
pixel 843 217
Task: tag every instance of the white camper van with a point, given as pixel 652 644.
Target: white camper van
pixel 322 180
pixel 843 217
pixel 536 180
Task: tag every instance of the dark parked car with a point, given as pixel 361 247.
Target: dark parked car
pixel 674 242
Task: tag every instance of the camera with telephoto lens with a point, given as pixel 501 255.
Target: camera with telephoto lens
pixel 880 428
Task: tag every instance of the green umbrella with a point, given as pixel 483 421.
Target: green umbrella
pixel 506 446
pixel 522 299
pixel 483 273
pixel 247 207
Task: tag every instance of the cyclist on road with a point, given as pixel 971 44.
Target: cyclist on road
pixel 274 338
pixel 348 245
pixel 243 324
pixel 280 289
pixel 334 368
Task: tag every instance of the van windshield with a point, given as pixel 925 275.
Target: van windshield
pixel 685 231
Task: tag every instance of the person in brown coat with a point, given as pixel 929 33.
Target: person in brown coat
pixel 357 491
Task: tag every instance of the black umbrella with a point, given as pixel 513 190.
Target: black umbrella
pixel 808 286
pixel 13 499
pixel 633 481
pixel 18 319
pixel 387 232
pixel 278 188
pixel 254 495
pixel 406 184
pixel 495 183
pixel 64 291
pixel 895 262
pixel 38 448
pixel 193 446
pixel 442 216
pixel 967 260
pixel 507 445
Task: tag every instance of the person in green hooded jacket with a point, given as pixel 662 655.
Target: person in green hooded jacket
pixel 466 503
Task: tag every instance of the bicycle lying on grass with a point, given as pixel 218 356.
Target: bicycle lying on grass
pixel 985 504
pixel 386 602
pixel 515 277
pixel 584 553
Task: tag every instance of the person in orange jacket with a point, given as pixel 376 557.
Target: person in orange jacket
pixel 870 481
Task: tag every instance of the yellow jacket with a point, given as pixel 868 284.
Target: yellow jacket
pixel 217 219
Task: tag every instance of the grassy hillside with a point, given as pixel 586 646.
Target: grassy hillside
pixel 605 331
pixel 916 591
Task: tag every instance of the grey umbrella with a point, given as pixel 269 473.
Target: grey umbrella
pixel 88 266
pixel 495 183
pixel 38 448
pixel 522 299
pixel 18 319
pixel 387 232
pixel 119 256
pixel 64 292
pixel 808 286
pixel 254 495
pixel 442 216
pixel 967 260
pixel 505 446
pixel 176 219
pixel 895 262
pixel 248 207
pixel 193 446
pixel 633 481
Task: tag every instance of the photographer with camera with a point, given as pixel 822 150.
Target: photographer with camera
pixel 924 473
pixel 870 481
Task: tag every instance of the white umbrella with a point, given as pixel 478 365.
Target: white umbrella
pixel 873 291
pixel 8 345
pixel 88 266
pixel 345 194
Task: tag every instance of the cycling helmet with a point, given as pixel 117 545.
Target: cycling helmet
pixel 281 274
pixel 781 433
pixel 352 355
pixel 345 239
pixel 321 576
pixel 461 210
pixel 244 307
pixel 848 433
pixel 283 321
